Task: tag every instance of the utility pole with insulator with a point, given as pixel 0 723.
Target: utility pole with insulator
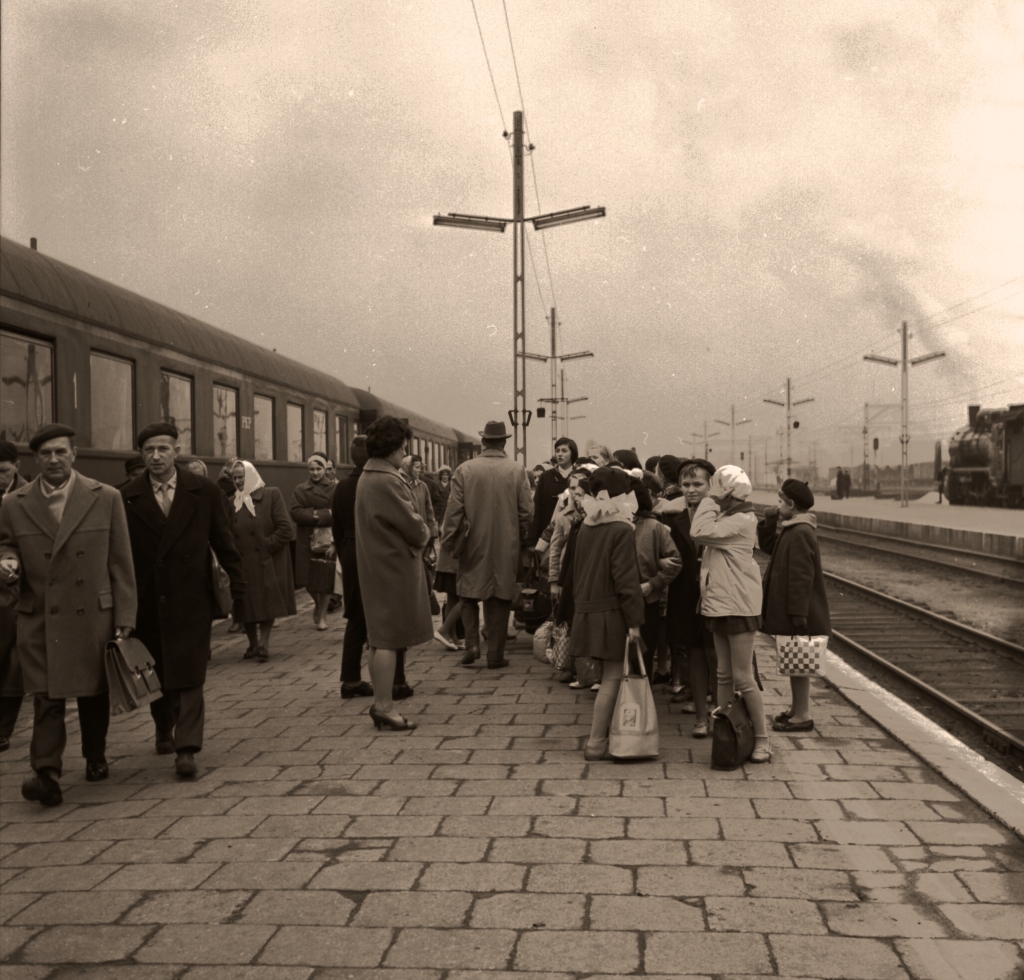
pixel 789 405
pixel 732 429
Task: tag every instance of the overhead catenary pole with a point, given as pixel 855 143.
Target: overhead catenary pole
pixel 732 423
pixel 789 405
pixel 707 435
pixel 555 359
pixel 904 363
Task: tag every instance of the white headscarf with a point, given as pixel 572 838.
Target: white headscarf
pixel 731 480
pixel 253 481
pixel 603 509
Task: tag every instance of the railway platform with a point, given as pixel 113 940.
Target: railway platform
pixel 482 847
pixel 990 530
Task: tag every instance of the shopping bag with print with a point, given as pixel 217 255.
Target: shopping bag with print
pixel 634 728
pixel 800 656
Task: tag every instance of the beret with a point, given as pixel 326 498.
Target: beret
pixel 669 467
pixel 615 481
pixel 48 432
pixel 799 493
pixel 156 429
pixel 134 462
pixel 8 452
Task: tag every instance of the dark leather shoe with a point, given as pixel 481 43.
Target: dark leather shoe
pixel 262 654
pixel 185 765
pixel 42 788
pixel 96 772
pixel 401 691
pixel 164 744
pixel 469 658
pixel 360 690
pixel 498 665
pixel 5 743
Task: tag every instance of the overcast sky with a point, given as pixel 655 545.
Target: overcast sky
pixel 785 182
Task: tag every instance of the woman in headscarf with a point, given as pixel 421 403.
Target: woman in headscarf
pixel 311 511
pixel 262 529
pixel 198 467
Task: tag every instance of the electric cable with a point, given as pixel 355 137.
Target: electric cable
pixel 494 86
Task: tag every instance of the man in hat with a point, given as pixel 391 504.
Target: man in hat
pixel 65 537
pixel 490 507
pixel 174 518
pixel 12 690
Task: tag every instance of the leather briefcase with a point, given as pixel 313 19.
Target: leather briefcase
pixel 131 675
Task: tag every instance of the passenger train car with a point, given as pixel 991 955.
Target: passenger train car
pixel 87 353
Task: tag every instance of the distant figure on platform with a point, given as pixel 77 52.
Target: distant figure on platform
pixel 197 467
pixel 943 477
pixel 175 518
pixel 311 511
pixel 390 538
pixel 262 530
pixel 66 538
pixel 490 509
pixel 133 466
pixel 12 688
pixel 550 485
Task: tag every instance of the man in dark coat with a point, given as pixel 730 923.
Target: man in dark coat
pixel 174 518
pixel 550 486
pixel 343 524
pixel 12 688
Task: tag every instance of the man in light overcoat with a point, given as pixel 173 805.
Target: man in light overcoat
pixel 174 518
pixel 490 505
pixel 65 536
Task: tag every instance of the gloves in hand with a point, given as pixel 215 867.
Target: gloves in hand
pixel 799 625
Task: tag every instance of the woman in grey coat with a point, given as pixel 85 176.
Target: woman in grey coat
pixel 390 538
pixel 262 529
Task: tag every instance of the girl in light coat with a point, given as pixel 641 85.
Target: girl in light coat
pixel 730 590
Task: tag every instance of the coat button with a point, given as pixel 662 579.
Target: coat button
pixel 54 610
pixel 80 581
pixel 79 554
pixel 46 554
pixel 159 563
pixel 163 598
pixel 81 612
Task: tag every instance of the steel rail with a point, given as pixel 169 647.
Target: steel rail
pixel 979 636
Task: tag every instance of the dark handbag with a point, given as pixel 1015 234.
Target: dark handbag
pixel 320 579
pixel 534 596
pixel 221 587
pixel 131 675
pixel 732 735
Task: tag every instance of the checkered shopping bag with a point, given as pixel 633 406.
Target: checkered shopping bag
pixel 800 655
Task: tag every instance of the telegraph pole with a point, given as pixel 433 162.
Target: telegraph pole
pixel 555 360
pixel 732 429
pixel 789 405
pixel 904 363
pixel 706 436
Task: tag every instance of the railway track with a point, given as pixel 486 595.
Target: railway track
pixel 999 567
pixel 978 676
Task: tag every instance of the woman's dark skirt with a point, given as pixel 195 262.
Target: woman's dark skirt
pixel 733 624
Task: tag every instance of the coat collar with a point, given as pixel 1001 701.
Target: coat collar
pixel 377 465
pixel 141 500
pixel 83 494
pixel 495 452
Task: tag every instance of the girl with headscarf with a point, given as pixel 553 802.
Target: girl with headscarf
pixel 730 591
pixel 607 593
pixel 311 511
pixel 262 529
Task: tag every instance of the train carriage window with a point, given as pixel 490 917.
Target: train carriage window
pixel 295 434
pixel 26 386
pixel 225 421
pixel 176 406
pixel 112 397
pixel 263 426
pixel 341 437
pixel 320 432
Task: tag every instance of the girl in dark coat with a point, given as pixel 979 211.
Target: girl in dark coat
pixel 262 532
pixel 795 603
pixel 311 509
pixel 606 588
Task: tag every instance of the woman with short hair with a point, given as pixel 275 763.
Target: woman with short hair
pixel 390 538
pixel 311 511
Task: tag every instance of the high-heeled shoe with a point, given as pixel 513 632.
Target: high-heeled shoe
pixel 380 720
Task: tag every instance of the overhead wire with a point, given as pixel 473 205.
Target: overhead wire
pixel 971 299
pixel 494 86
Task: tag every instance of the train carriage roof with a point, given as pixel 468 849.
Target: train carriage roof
pixel 369 402
pixel 28 275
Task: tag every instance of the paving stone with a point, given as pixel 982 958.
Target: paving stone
pixel 417 787
pixel 148 852
pixel 358 806
pixel 590 879
pixel 760 915
pixel 942 888
pixel 585 952
pixel 914 791
pixel 452 949
pixel 539 806
pixel 848 857
pixel 535 850
pixel 488 826
pixel 477 878
pixel 55 879
pixel 580 787
pixel 158 877
pixel 688 882
pixel 959 959
pixel 833 791
pixel 707 953
pixel 209 908
pixel 738 853
pixel 932 832
pixel 12 938
pixel 375 876
pixel 11 903
pixel 987 921
pixel 414 909
pixel 799 883
pixel 55 852
pixel 878 832
pixel 702 806
pixel 637 853
pixel 586 828
pixel 274 806
pixel 889 810
pixel 301 825
pixel 880 919
pixel 836 957
pixel 33 833
pixel 751 789
pixel 210 827
pixel 528 911
pixel 84 944
pixel 76 908
pixel 991 887
pixel 20 971
pixel 673 828
pixel 767 829
pixel 384 826
pixel 644 914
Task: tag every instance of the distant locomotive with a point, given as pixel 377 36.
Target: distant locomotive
pixel 986 458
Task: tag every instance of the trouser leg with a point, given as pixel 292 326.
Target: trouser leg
pixel 162 711
pixel 49 736
pixel 649 634
pixel 471 624
pixel 10 706
pixel 604 704
pixel 352 647
pixel 94 720
pixel 496 613
pixel 189 708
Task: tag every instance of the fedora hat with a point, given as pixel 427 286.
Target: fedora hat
pixel 494 430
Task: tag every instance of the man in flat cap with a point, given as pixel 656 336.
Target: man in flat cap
pixel 12 688
pixel 174 518
pixel 490 506
pixel 64 540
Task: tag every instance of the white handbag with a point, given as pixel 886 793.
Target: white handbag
pixel 634 728
pixel 800 656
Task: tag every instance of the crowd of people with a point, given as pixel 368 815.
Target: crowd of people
pixel 653 561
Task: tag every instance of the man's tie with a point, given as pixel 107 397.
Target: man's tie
pixel 163 498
